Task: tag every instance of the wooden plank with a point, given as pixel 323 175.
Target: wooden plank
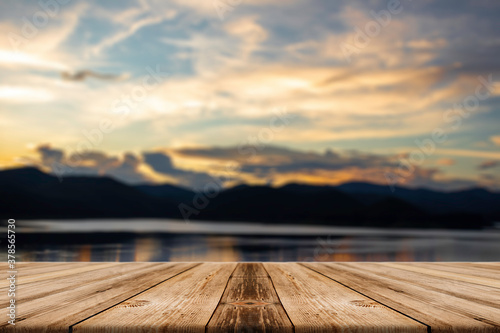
pixel 489 265
pixel 443 313
pixel 33 265
pixel 477 293
pixel 495 266
pixel 250 304
pixel 38 288
pixel 184 303
pixel 31 268
pixel 315 303
pixel 86 295
pixel 450 297
pixel 46 273
pixel 467 277
pixel 461 268
pixel 42 267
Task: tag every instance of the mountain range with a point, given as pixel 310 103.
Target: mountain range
pixel 29 193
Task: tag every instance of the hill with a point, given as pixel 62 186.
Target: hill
pixel 31 194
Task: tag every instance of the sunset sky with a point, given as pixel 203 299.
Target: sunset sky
pixel 255 91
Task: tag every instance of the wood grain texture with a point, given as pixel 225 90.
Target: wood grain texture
pixel 37 286
pixel 47 273
pixel 255 297
pixel 442 312
pixel 40 267
pixel 315 304
pixel 250 304
pixel 493 281
pixel 54 305
pixel 489 265
pixel 474 271
pixel 40 287
pixel 184 303
pixel 477 293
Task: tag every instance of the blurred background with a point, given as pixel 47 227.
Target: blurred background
pixel 251 130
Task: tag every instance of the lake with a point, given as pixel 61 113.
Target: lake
pixel 175 240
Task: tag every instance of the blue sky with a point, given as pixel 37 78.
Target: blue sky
pixel 361 82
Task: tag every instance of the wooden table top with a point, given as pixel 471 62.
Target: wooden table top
pixel 254 297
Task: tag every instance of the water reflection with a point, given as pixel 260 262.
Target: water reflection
pixel 180 247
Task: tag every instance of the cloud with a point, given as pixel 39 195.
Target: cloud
pixel 495 139
pixel 469 153
pixel 227 75
pixel 283 165
pixel 31 45
pixel 269 165
pixel 91 163
pixel 131 21
pixel 122 35
pixel 50 155
pixel 490 181
pixel 25 94
pixel 84 74
pixel 280 159
pixel 128 170
pixel 488 164
pixel 446 161
pixel 162 163
pixel 426 44
pixel 249 32
pixel 27 60
pixel 209 8
pixel 150 167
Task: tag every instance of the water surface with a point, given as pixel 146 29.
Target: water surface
pixel 174 240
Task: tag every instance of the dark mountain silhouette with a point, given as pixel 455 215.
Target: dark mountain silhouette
pixel 167 191
pixel 473 201
pixel 30 193
pixel 262 203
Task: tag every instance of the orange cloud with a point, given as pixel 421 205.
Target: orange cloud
pixel 495 139
pixel 445 161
